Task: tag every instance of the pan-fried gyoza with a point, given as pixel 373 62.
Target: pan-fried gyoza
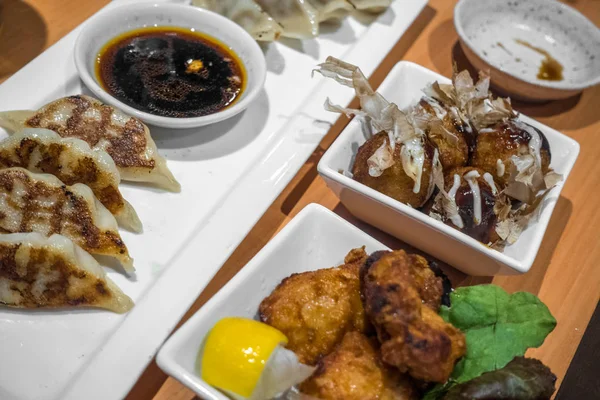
pixel 72 161
pixel 42 203
pixel 41 272
pixel 104 127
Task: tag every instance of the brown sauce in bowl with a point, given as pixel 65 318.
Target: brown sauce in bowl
pixel 171 72
pixel 550 69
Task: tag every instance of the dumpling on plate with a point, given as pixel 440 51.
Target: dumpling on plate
pixel 247 14
pixel 41 272
pixel 103 127
pixel 331 9
pixel 298 18
pixel 42 203
pixel 72 161
pixel 374 6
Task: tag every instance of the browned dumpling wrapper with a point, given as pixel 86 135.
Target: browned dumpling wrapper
pixel 42 203
pixel 104 127
pixel 41 272
pixel 72 161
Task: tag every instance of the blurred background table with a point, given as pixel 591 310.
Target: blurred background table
pixel 565 275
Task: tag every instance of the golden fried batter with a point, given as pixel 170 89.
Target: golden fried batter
pixel 502 141
pixel 451 137
pixel 354 371
pixel 393 181
pixel 315 309
pixel 414 338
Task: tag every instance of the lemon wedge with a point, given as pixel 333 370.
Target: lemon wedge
pixel 245 358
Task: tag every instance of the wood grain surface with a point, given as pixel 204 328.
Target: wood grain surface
pixel 565 274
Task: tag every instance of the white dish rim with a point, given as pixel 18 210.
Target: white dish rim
pixel 249 94
pixel 560 86
pixel 518 266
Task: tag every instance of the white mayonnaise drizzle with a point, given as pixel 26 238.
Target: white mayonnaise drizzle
pixel 471 178
pixel 455 217
pixel 500 168
pixel 490 181
pixel 434 165
pixel 437 108
pixel 535 143
pixel 412 154
pixel 454 188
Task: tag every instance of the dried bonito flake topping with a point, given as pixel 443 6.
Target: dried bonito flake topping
pixel 466 158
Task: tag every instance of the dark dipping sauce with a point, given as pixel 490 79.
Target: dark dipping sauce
pixel 171 72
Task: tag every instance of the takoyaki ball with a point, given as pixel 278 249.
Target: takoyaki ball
pixel 479 223
pixel 497 144
pixel 452 145
pixel 393 181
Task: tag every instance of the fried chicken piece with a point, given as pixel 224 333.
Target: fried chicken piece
pixel 354 371
pixel 414 338
pixel 315 309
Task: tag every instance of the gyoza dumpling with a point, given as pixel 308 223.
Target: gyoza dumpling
pixel 72 161
pixel 247 14
pixel 125 138
pixel 299 19
pixel 40 272
pixel 42 203
pixel 331 9
pixel 371 5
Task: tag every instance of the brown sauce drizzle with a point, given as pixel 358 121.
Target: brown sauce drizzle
pixel 551 69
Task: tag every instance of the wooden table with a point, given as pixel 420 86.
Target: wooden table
pixel 565 274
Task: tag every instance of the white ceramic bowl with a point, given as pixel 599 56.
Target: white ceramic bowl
pixel 116 20
pixel 403 86
pixel 488 31
pixel 316 238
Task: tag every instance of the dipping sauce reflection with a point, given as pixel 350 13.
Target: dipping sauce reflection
pixel 171 72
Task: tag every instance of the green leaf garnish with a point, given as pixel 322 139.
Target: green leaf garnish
pixel 497 326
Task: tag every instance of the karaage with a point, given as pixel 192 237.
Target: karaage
pixel 315 309
pixel 354 371
pixel 414 338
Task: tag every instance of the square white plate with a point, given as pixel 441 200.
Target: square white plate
pixel 316 238
pixel 403 86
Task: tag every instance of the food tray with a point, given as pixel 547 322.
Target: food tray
pixel 230 173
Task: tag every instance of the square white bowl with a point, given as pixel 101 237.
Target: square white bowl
pixel 403 86
pixel 316 238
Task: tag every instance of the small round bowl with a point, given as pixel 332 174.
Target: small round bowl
pixel 117 20
pixel 488 31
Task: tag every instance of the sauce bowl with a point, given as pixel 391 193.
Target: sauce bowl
pixel 114 21
pixel 513 39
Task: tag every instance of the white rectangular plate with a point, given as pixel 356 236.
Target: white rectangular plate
pixel 316 238
pixel 230 173
pixel 403 86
